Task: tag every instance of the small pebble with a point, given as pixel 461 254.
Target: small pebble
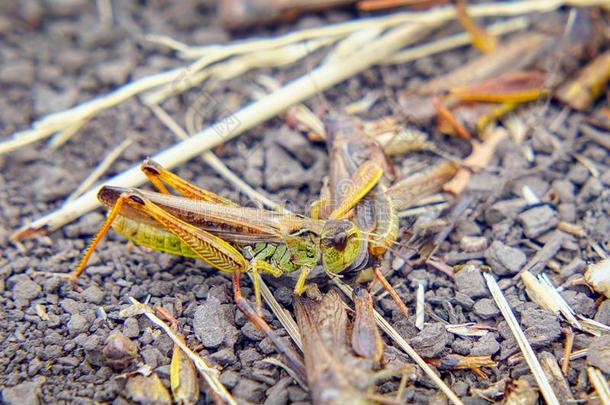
pixel 599 353
pixel 538 220
pixel 19 72
pixel 131 329
pixel 230 378
pixel 486 308
pixel 540 326
pixel 473 243
pixel 578 174
pixel 431 341
pixel 580 302
pixel 119 351
pixel 77 324
pixel 278 393
pixel 93 294
pixel 564 189
pixel 249 390
pixel 603 313
pixel 212 323
pixel 503 259
pixel 281 170
pixel 147 390
pixel 224 357
pixel 503 210
pixel 487 345
pixel 26 290
pixel 469 281
pixel 461 346
pixel 24 393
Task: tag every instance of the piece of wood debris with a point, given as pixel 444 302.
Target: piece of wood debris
pixel 598 277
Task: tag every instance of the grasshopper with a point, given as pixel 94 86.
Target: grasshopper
pixel 353 156
pixel 233 239
pixel 343 359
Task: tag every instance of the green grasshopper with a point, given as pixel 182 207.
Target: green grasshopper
pixel 233 239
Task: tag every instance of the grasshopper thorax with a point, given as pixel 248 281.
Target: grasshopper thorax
pixel 343 246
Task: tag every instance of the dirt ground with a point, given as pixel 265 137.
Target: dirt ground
pixel 56 54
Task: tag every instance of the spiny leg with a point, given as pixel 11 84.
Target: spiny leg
pixel 159 176
pixel 215 251
pixel 294 360
pixel 362 181
pixel 388 287
pixel 300 287
pixel 116 209
pixel 260 266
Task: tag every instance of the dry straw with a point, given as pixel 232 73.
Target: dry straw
pixel 402 29
pixel 526 349
pixel 209 373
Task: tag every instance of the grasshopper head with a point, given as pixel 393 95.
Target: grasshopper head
pixel 343 246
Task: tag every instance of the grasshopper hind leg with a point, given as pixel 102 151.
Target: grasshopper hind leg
pixel 388 287
pixel 160 176
pixel 114 212
pixel 294 360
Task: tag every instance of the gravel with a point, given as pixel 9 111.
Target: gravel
pixel 469 281
pixel 431 341
pixel 504 260
pixel 212 324
pixel 539 220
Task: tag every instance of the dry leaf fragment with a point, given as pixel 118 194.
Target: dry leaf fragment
pixel 520 393
pixel 580 92
pixel 479 36
pixel 480 157
pixel 147 390
pixel 598 277
pixel 183 378
pixel 539 293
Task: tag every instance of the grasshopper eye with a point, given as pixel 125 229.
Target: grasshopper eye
pixel 337 240
pixel 340 240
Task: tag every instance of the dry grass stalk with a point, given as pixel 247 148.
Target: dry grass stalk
pixel 420 307
pixel 454 41
pixel 59 121
pixel 592 326
pixel 212 160
pixel 282 314
pixel 100 169
pixel 526 349
pixel 225 70
pixel 577 354
pixel 568 345
pixel 542 292
pixel 555 376
pixel 66 134
pixel 63 120
pixel 209 373
pixel 467 329
pixel 600 383
pixel 292 93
